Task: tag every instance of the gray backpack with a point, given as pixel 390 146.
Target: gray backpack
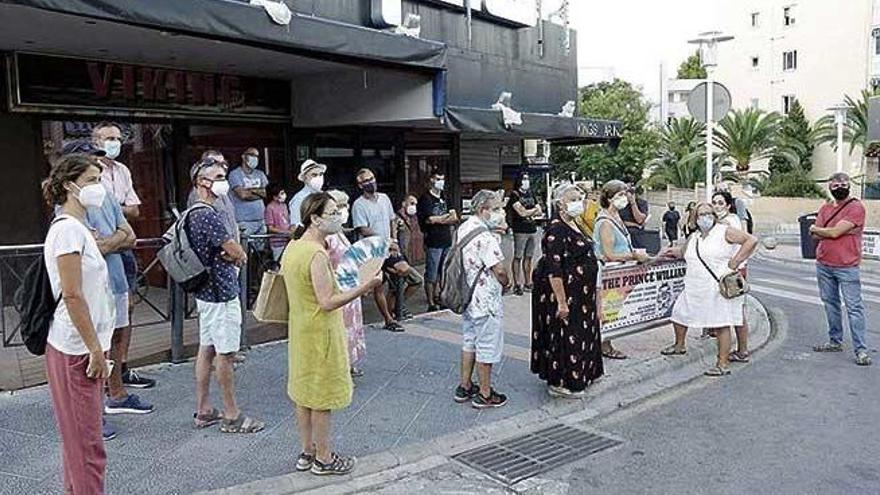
pixel 456 294
pixel 178 257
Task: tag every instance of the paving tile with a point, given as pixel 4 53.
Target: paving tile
pixel 29 456
pixel 16 485
pixel 35 418
pixel 391 412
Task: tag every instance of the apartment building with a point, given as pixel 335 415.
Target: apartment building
pixel 810 51
pixel 675 98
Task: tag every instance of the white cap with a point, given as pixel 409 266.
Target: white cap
pixel 308 165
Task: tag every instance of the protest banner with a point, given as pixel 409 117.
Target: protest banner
pixel 639 294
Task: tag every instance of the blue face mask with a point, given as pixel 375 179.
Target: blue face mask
pixel 252 161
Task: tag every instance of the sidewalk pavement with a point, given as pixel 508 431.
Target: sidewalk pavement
pixel 791 253
pixel 402 418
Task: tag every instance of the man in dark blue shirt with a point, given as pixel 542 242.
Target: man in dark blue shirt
pixel 217 301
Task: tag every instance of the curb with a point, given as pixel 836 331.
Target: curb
pixel 650 379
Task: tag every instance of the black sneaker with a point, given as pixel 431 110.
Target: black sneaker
pixel 494 400
pixel 433 307
pixel 131 378
pixel 339 465
pixel 462 395
pixel 517 291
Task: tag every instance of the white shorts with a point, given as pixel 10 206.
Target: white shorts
pixel 220 325
pixel 483 336
pixel 122 316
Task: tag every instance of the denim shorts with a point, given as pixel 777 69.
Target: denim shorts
pixel 434 258
pixel 129 263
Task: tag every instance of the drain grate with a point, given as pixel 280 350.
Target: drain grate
pixel 516 459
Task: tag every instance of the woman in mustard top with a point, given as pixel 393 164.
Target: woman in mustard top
pixel 318 380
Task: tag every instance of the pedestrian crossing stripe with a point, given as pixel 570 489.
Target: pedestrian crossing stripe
pixel 814 288
pixel 797 296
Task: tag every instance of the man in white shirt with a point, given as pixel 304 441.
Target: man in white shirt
pixel 483 320
pixel 116 177
pixel 373 215
pixel 311 174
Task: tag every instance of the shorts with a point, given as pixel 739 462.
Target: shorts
pixel 122 317
pixel 220 325
pixel 434 258
pixel 129 263
pixel 483 336
pixel 524 245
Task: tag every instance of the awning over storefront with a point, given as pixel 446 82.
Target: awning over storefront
pixel 565 131
pixel 242 23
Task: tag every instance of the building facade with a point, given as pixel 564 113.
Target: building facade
pixel 676 95
pixel 810 51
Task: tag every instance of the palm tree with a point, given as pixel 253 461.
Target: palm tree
pixel 681 155
pixel 855 129
pixel 748 135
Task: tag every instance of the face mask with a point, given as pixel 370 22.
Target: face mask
pixel 252 161
pixel 343 215
pixel 575 208
pixel 705 222
pixel 369 187
pixel 672 208
pixel 112 148
pixel 840 193
pixel 721 211
pixel 220 187
pixel 331 225
pixel 620 202
pixel 439 184
pixel 495 219
pixel 525 185
pixel 91 196
pixel 411 210
pixel 282 198
pixel 316 183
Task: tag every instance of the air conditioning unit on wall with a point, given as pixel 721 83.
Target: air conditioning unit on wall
pixel 536 150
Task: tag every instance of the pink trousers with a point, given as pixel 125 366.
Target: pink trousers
pixel 78 404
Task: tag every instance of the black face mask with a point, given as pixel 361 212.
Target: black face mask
pixel 671 208
pixel 369 187
pixel 840 193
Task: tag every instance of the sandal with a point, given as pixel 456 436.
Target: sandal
pixel 305 461
pixel 614 354
pixel 673 351
pixel 356 372
pixel 863 359
pixel 717 371
pixel 393 327
pixel 241 424
pixel 338 465
pixel 828 347
pixel 210 418
pixel 739 357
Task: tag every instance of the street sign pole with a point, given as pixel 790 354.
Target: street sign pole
pixel 710 124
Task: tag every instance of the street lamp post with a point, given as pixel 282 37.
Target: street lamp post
pixel 708 43
pixel 840 119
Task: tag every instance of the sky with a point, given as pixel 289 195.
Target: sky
pixel 629 39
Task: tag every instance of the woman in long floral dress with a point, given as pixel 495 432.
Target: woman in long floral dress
pixel 566 343
pixel 352 313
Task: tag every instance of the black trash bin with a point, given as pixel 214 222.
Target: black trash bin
pixel 808 244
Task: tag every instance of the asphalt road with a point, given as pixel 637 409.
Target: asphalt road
pixel 792 421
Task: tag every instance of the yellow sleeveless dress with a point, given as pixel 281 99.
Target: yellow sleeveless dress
pixel 317 355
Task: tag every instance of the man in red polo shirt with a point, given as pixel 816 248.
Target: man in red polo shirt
pixel 838 230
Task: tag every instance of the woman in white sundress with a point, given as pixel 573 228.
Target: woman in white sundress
pixel 701 305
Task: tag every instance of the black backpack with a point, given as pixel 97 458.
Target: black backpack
pixel 36 304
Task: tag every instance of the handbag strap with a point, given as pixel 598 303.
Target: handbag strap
pixel 697 247
pixel 620 229
pixel 844 205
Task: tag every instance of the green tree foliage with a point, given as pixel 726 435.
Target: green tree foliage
pixel 795 137
pixel 692 68
pixel 682 154
pixel 855 130
pixel 792 184
pixel 747 135
pixel 618 100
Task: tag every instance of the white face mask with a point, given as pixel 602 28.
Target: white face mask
pixel 343 215
pixel 316 183
pixel 411 210
pixel 331 224
pixel 705 222
pixel 574 208
pixel 91 196
pixel 112 148
pixel 439 184
pixel 525 185
pixel 220 187
pixel 620 202
pixel 721 211
pixel 496 218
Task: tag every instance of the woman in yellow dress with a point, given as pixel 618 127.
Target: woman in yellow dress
pixel 318 380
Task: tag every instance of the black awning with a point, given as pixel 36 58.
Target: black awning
pixel 240 22
pixel 565 131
